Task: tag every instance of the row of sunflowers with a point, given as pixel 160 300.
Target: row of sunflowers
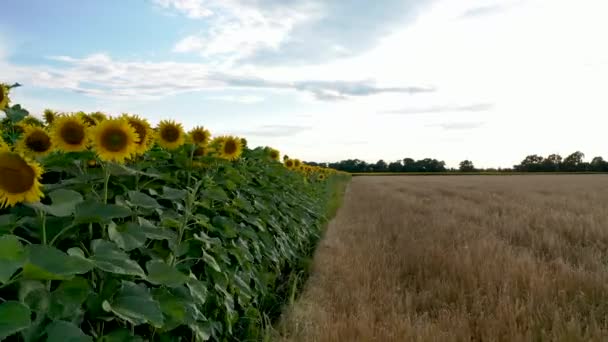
pixel 114 230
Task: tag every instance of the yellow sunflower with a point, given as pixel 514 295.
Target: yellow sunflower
pixel 4 146
pixel 289 163
pixel 19 179
pixel 321 177
pixel 4 100
pixel 201 151
pixel 32 121
pixel 144 133
pixel 170 134
pixel 199 136
pixel 274 154
pixel 35 141
pixel 297 163
pixel 98 116
pixel 89 121
pixel 49 116
pixel 69 133
pixel 228 147
pixel 114 140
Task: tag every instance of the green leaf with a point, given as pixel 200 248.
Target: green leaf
pixel 203 330
pixel 68 298
pixel 120 335
pixel 211 262
pixel 92 211
pixel 127 236
pixel 12 256
pixel 61 331
pixel 175 310
pixel 173 194
pixel 160 273
pixel 16 113
pixel 108 257
pixel 198 290
pixel 216 193
pixel 135 304
pixel 8 222
pixel 49 263
pixel 142 200
pixel 34 294
pixel 14 317
pixel 64 203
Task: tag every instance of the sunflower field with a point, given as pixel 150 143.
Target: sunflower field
pixel 114 230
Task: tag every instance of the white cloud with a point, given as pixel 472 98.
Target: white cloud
pixel 247 99
pixel 191 8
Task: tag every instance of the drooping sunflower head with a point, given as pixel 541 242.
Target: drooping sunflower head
pixel 19 179
pixel 199 136
pixel 202 151
pixel 35 142
pixel 228 147
pixel 32 121
pixel 170 134
pixel 4 100
pixel 98 116
pixel 49 116
pixel 89 121
pixel 297 163
pixel 289 163
pixel 144 133
pixel 69 133
pixel 274 154
pixel 114 140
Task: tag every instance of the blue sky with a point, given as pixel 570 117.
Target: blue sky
pixel 487 80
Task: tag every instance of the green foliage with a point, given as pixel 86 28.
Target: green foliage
pixel 166 250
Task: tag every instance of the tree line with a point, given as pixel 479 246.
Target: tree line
pixel 533 163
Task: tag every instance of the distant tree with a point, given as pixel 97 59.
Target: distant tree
pixel 574 162
pixel 395 166
pixel 380 166
pixel 467 166
pixel 409 165
pixel 532 163
pixel 598 164
pixel 552 163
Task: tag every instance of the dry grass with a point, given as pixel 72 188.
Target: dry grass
pixel 479 258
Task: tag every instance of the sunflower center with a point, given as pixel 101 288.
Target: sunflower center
pixel 1 94
pixel 140 130
pixel 114 139
pixel 15 175
pixel 72 133
pixel 170 134
pixel 230 147
pixel 199 152
pixel 274 155
pixel 38 141
pixel 199 137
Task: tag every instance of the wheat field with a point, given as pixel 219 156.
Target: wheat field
pixel 460 258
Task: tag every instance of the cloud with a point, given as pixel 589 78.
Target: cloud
pixel 463 125
pixel 247 99
pixel 270 32
pixel 476 107
pixel 101 76
pixel 275 131
pixel 489 9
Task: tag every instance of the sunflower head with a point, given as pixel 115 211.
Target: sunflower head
pixel 199 136
pixel 19 179
pixel 297 163
pixel 89 121
pixel 274 154
pixel 49 116
pixel 289 163
pixel 170 134
pixel 4 99
pixel 144 133
pixel 114 140
pixel 201 151
pixel 32 121
pixel 321 177
pixel 228 147
pixel 35 141
pixel 98 116
pixel 69 133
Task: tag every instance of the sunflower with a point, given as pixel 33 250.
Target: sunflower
pixel 35 141
pixel 4 146
pixel 274 154
pixel 4 100
pixel 69 133
pixel 297 163
pixel 228 147
pixel 114 140
pixel 98 116
pixel 19 179
pixel 144 133
pixel 49 116
pixel 289 163
pixel 321 177
pixel 32 121
pixel 170 134
pixel 89 121
pixel 201 151
pixel 199 136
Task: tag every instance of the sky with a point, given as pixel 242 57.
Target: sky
pixel 325 80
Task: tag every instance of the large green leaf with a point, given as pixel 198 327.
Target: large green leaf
pixel 202 330
pixel 120 335
pixel 34 294
pixel 14 317
pixel 8 222
pixel 127 236
pixel 173 194
pixel 175 310
pixel 64 203
pixel 12 256
pixel 142 200
pixel 92 211
pixel 61 331
pixel 49 263
pixel 210 260
pixel 198 290
pixel 135 304
pixel 68 298
pixel 160 273
pixel 108 257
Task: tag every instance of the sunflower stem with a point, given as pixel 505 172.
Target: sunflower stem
pixel 106 180
pixel 43 218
